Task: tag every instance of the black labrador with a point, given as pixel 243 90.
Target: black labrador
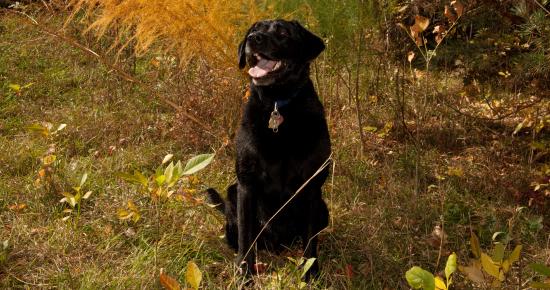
pixel 283 140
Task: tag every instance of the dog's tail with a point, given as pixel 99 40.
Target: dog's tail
pixel 215 199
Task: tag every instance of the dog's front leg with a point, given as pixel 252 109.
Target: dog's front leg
pixel 310 241
pixel 246 208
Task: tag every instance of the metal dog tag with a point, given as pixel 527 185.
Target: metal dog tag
pixel 275 119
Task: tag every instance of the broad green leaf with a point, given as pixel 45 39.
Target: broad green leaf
pixel 197 163
pixel 168 172
pixel 420 278
pixel 540 285
pixel 514 256
pixel 307 265
pixel 160 179
pixel 498 253
pixel 541 269
pixel 168 282
pixel 39 129
pixel 450 267
pixel 474 245
pixel 83 179
pixel 193 275
pixel 370 129
pixel 129 177
pixel 141 178
pixel 440 284
pixel 489 266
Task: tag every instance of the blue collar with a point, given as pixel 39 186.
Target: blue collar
pixel 283 102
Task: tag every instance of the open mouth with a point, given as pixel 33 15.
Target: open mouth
pixel 263 67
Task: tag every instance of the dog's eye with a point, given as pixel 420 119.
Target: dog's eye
pixel 283 33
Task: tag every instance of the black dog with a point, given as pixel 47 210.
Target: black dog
pixel 282 142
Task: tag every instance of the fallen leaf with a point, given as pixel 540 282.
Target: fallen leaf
pixel 449 14
pixel 420 23
pixel 193 275
pixel 459 8
pixel 168 282
pixel 410 56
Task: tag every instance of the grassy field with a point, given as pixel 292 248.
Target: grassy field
pixel 392 204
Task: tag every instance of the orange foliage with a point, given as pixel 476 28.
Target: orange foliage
pixel 209 29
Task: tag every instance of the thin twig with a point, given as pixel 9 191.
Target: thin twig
pixel 542 6
pixel 29 283
pixel 323 166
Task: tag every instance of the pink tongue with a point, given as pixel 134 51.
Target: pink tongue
pixel 262 68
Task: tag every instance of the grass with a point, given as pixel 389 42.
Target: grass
pixel 382 220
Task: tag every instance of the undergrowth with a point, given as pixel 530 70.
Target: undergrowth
pixel 423 160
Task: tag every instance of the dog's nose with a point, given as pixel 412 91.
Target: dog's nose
pixel 255 37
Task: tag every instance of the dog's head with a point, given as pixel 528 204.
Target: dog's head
pixel 278 51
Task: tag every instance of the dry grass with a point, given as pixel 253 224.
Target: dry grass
pixel 385 202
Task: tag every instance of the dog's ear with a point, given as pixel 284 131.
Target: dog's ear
pixel 313 45
pixel 241 53
pixel 241 56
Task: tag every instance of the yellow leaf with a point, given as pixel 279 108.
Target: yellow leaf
pixel 505 266
pixel 49 159
pixel 489 266
pixel 439 284
pixel 123 214
pixel 514 256
pixel 193 275
pixel 420 23
pixel 455 171
pixel 474 245
pixel 168 282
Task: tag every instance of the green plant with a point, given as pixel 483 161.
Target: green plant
pixel 545 272
pixel 14 90
pixel 163 183
pixel 130 212
pixel 491 269
pixel 419 278
pixel 48 163
pixel 74 200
